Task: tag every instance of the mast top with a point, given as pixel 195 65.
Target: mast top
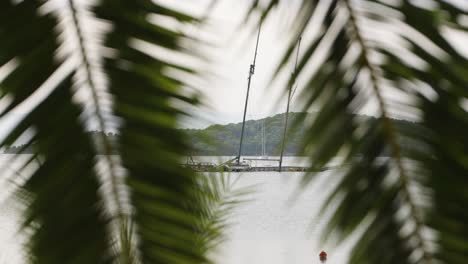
pixel 252 66
pixel 293 75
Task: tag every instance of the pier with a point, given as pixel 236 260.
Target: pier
pixel 211 167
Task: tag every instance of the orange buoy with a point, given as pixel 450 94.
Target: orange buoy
pixel 323 256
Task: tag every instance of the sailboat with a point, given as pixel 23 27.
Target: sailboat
pixel 237 164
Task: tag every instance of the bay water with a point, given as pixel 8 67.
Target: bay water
pixel 278 224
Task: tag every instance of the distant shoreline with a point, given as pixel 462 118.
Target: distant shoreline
pixel 223 140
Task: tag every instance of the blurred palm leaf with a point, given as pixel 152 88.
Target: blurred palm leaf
pixel 408 182
pixel 80 65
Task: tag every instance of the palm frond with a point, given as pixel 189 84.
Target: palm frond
pixel 224 196
pixel 86 61
pixel 388 55
pixel 163 194
pixel 65 183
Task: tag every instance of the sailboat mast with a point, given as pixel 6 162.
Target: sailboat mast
pixel 251 72
pixel 293 79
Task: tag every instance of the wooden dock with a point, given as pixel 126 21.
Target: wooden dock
pixel 209 167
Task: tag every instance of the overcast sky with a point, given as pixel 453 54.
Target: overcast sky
pixel 230 57
pixel 225 94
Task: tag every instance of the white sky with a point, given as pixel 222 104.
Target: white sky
pixel 234 44
pixel 231 59
pixel 225 94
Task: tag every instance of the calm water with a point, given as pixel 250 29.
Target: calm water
pixel 272 227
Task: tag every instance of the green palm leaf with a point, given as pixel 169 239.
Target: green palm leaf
pixel 65 183
pixel 405 182
pixel 91 199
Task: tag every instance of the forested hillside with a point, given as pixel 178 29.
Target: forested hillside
pixel 223 140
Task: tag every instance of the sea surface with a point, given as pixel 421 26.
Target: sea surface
pixel 278 224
